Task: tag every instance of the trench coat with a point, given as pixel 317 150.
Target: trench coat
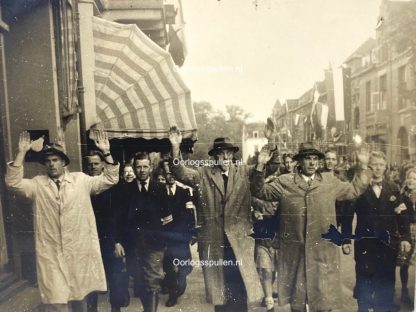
pixel 307 263
pixel 68 257
pixel 220 214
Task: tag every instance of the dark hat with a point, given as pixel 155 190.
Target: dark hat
pixel 308 148
pixel 53 149
pixel 222 144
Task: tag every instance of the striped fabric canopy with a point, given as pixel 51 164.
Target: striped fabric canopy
pixel 139 93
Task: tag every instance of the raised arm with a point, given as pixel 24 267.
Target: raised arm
pixel 270 191
pixel 14 176
pixel 110 176
pixel 183 174
pixel 361 179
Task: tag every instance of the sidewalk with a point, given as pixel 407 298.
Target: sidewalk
pixel 193 300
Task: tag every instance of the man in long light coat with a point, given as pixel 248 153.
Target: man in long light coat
pixel 68 257
pixel 225 218
pixel 309 266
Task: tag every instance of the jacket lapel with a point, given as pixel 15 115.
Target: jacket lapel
pixel 316 181
pixel 385 191
pixel 232 176
pixel 300 181
pixel 370 195
pixel 216 177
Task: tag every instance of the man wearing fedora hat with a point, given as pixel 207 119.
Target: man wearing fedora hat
pixel 308 265
pixel 225 218
pixel 68 258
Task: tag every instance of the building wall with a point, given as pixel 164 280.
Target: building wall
pixel 380 127
pixel 32 105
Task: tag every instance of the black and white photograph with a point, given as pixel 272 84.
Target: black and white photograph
pixel 207 155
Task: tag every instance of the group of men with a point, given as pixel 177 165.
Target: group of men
pixel 150 218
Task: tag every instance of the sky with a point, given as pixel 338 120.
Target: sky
pixel 249 55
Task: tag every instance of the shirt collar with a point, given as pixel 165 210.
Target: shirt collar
pixel 140 185
pixel 306 178
pixel 172 187
pixel 226 172
pixel 65 177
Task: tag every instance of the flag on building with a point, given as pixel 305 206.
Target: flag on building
pixel 338 77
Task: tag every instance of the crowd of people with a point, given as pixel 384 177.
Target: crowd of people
pixel 92 230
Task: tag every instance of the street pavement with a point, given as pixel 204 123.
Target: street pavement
pixel 194 298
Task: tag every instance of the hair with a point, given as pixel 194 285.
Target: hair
pixel 92 153
pixel 331 150
pixel 377 154
pixel 141 156
pixel 410 170
pixel 287 155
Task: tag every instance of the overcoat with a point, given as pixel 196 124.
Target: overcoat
pixel 307 263
pixel 220 214
pixel 375 215
pixel 68 257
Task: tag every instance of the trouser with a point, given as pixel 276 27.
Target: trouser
pixel 112 265
pixel 148 268
pixel 176 268
pixel 235 291
pixel 375 275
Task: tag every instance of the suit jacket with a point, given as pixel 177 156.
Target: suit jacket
pixel 375 215
pixel 102 205
pixel 141 214
pixel 179 229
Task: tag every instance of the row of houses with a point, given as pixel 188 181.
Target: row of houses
pixel 370 95
pixel 68 67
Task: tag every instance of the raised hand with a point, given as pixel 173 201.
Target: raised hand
pixel 102 142
pixel 269 129
pixel 363 157
pixel 264 155
pixel 25 144
pixel 175 136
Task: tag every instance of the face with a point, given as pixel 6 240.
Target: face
pixel 128 174
pixel 55 166
pixel 289 164
pixel 161 179
pixel 224 158
pixel 170 179
pixel 330 161
pixel 142 169
pixel 309 164
pixel 378 167
pixel 411 181
pixel 95 165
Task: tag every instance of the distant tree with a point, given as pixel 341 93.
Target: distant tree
pixel 213 123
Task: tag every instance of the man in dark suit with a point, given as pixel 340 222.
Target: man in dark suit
pixel 140 231
pixel 178 226
pixel 375 258
pixel 104 212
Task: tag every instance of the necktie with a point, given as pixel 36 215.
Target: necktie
pixel 58 184
pixel 225 179
pixel 376 183
pixel 143 187
pixel 170 191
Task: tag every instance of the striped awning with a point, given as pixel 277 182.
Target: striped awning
pixel 139 93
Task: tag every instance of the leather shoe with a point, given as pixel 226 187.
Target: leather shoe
pixel 171 301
